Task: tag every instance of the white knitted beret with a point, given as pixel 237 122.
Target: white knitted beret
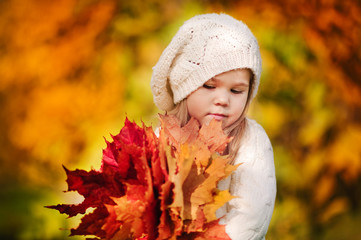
pixel 205 46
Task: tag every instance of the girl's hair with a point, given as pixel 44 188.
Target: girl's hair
pixel 235 130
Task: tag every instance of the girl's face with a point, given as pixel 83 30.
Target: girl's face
pixel 223 98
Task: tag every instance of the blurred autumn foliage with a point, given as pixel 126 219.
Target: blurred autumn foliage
pixel 70 71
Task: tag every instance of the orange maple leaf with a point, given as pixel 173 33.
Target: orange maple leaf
pixel 151 187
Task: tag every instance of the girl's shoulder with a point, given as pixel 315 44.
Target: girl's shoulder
pixel 255 143
pixel 254 132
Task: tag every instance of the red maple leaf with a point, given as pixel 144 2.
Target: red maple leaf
pixel 151 187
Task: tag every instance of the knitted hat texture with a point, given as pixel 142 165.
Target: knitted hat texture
pixel 205 46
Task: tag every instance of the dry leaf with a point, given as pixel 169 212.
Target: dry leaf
pixel 154 188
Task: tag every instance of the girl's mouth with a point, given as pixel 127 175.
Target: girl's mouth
pixel 217 116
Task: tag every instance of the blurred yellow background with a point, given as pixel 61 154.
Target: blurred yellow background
pixel 71 71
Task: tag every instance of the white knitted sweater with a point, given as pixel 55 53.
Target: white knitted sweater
pixel 248 216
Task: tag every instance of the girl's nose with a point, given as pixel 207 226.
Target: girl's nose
pixel 221 98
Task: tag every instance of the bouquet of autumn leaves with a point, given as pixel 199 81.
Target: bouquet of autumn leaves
pixel 151 187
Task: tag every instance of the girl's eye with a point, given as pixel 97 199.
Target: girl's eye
pixel 208 86
pixel 236 91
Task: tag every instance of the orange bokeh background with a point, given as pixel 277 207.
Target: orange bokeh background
pixel 71 71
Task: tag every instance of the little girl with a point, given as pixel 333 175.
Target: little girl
pixel 211 70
